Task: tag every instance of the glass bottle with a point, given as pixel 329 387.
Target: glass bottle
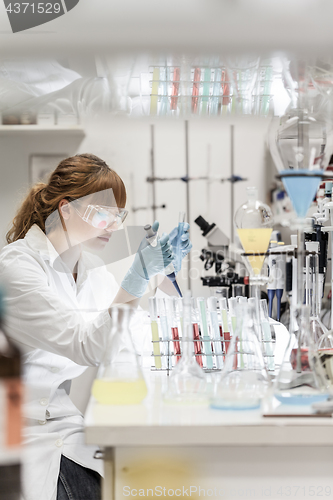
pixel 11 396
pixel 244 379
pixel 120 380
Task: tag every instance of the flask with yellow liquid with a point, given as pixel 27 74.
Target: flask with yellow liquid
pixel 120 380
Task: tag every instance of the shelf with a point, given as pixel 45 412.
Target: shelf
pixel 6 130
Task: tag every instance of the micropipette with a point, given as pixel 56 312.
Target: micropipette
pixel 169 270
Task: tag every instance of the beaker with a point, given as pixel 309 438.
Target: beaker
pixel 187 382
pixel 119 380
pixel 298 381
pixel 244 380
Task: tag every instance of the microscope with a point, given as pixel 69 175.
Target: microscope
pixel 226 281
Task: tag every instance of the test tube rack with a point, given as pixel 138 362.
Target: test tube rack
pixel 169 357
pixel 208 90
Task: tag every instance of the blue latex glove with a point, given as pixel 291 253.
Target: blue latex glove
pixel 181 245
pixel 149 261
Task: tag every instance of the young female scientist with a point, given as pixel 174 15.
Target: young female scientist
pixel 58 312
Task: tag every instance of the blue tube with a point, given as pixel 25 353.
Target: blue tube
pixel 279 293
pixel 271 294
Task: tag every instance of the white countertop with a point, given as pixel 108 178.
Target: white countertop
pixel 154 423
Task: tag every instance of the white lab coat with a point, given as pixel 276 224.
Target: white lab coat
pixel 56 324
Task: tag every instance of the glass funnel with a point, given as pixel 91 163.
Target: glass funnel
pixel 187 382
pixel 254 221
pixel 299 381
pixel 119 380
pixel 244 379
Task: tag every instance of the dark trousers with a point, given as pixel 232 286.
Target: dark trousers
pixel 77 483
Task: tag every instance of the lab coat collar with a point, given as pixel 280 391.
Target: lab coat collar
pixel 38 241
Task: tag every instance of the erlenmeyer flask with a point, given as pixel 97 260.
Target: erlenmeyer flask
pixel 244 379
pixel 299 381
pixel 119 380
pixel 187 382
pixel 324 360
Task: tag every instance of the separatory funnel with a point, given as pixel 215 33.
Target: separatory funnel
pixel 187 382
pixel 119 380
pixel 244 380
pixel 254 221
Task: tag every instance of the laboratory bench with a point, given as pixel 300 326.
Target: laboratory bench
pixel 220 454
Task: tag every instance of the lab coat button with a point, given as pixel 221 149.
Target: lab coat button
pixel 44 401
pixel 59 443
pixel 42 422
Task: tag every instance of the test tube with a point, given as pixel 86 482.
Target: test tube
pixel 181 222
pixel 205 91
pixel 196 89
pixel 216 92
pixel 225 330
pixel 205 333
pixel 175 89
pixel 212 308
pixel 154 332
pixel 164 88
pixel 166 333
pixel 172 314
pixel 196 336
pixel 266 335
pixel 154 91
pixel 232 303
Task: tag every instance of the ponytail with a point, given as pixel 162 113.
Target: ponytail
pixel 31 212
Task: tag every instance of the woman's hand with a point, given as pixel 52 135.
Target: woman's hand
pixel 149 261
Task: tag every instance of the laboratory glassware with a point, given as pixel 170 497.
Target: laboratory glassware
pixel 324 360
pixel 215 331
pixel 298 381
pixel 173 320
pixel 154 91
pixel 224 327
pixel 254 221
pixel 244 380
pixel 120 380
pixel 155 332
pixel 205 333
pixel 187 382
pixel 232 303
pixel 166 331
pixel 169 270
pixel 312 292
pixel 196 333
pixel 266 336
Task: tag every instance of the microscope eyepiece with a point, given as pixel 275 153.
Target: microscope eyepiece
pixel 204 225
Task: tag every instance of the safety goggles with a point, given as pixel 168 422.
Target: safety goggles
pixel 103 217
